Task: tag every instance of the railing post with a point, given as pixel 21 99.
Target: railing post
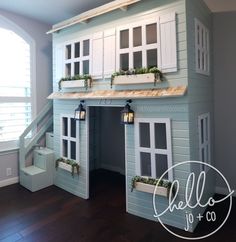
pixel 22 152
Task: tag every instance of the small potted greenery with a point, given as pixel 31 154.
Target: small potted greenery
pixel 68 165
pixel 146 184
pixel 137 76
pixel 75 82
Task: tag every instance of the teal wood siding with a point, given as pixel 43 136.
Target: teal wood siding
pixel 139 203
pixel 200 87
pixel 63 179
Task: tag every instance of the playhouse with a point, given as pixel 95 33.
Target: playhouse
pixel 172 113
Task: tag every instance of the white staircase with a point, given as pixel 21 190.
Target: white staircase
pixel 40 174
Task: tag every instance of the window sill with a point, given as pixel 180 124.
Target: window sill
pixel 201 72
pixel 9 147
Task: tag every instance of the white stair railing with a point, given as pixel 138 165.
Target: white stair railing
pixel 34 132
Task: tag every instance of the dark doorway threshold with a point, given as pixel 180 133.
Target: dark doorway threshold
pixel 109 184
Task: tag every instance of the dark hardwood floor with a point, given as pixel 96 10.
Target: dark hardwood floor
pixel 55 215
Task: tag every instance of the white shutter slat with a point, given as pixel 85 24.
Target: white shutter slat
pixel 167 40
pixel 58 65
pixel 109 52
pixel 59 62
pixel 97 55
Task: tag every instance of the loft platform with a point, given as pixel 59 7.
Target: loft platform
pixel 133 94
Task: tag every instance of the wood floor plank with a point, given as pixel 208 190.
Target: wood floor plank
pixel 53 215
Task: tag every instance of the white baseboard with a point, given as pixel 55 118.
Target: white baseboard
pixel 224 191
pixel 8 182
pixel 113 168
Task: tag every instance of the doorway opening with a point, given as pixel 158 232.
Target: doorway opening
pixel 106 154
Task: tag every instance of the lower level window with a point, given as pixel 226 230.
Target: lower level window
pixel 153 147
pixel 69 138
pixel 204 138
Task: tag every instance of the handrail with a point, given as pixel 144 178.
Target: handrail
pixel 25 148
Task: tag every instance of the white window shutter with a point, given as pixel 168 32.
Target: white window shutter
pixel 59 67
pixel 167 40
pixel 97 55
pixel 109 52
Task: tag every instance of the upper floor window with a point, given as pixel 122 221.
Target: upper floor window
pixel 77 58
pixel 202 50
pixel 138 45
pixel 16 102
pixel 153 147
pixel 149 43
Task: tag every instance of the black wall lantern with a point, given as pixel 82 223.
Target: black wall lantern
pixel 127 114
pixel 80 112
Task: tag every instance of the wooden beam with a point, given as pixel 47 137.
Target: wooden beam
pixel 118 95
pixel 124 9
pixel 85 21
pixel 106 8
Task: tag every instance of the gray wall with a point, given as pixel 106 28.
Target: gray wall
pixel 107 139
pixel 112 138
pixel 225 95
pixel 37 32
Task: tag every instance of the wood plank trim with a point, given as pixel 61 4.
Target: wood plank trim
pixel 134 94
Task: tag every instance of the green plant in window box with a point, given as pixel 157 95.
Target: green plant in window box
pixel 139 71
pixel 74 165
pixel 87 80
pixel 151 181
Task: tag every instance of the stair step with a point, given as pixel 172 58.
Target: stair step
pixel 32 170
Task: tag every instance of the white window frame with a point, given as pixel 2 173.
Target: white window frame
pixel 144 47
pixel 69 138
pixel 80 59
pixel 152 150
pixel 9 25
pixel 202 48
pixel 206 144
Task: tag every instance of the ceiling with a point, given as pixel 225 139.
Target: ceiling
pixel 54 11
pixel 50 11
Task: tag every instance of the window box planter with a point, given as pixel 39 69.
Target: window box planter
pixel 145 184
pixel 134 79
pixel 137 76
pixel 76 83
pixel 69 165
pixel 142 187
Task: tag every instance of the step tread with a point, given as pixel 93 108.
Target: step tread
pixel 32 170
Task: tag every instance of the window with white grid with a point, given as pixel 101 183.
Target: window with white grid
pixel 204 139
pixel 137 45
pixel 77 57
pixel 202 50
pixel 69 137
pixel 153 147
